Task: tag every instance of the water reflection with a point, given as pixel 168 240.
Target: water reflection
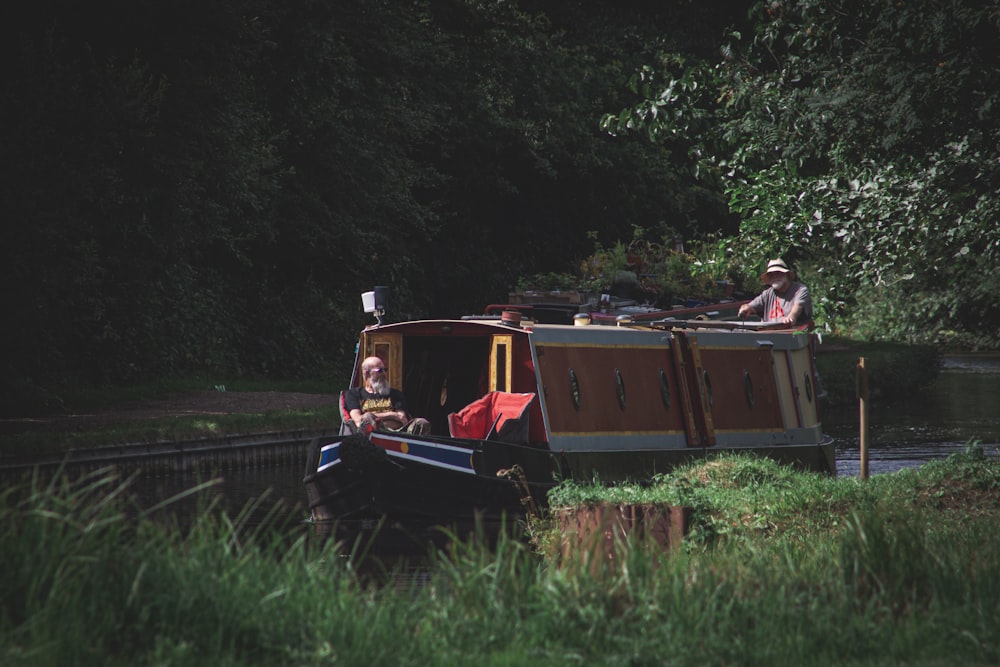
pixel 961 405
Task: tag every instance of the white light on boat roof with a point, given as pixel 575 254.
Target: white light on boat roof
pixel 376 301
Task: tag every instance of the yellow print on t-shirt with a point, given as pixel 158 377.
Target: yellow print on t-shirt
pixel 376 404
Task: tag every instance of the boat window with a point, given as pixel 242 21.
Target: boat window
pixel 748 388
pixel 500 370
pixel 501 364
pixel 664 389
pixel 621 388
pixel 387 347
pixel 574 388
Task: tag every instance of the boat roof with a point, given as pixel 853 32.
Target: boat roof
pixel 640 333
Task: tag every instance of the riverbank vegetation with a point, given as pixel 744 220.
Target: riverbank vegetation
pixel 779 567
pixel 209 189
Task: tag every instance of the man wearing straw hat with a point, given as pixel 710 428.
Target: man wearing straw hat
pixel 784 301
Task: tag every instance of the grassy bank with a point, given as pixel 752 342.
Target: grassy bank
pixel 779 568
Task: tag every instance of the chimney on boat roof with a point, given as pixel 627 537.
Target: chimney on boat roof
pixel 511 318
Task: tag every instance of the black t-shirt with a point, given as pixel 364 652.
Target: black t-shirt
pixel 360 399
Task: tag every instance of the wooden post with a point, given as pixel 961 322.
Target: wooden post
pixel 863 416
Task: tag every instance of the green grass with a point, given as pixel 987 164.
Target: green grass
pixel 782 568
pixel 40 445
pixel 740 497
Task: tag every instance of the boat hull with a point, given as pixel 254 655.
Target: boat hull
pixel 501 481
pixel 514 409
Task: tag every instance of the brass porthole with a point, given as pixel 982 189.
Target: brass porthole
pixel 748 388
pixel 664 389
pixel 574 388
pixel 620 383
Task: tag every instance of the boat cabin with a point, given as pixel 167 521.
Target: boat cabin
pixel 664 388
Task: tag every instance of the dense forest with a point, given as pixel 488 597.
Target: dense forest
pixel 208 187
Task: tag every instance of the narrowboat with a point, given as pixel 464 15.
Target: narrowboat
pixel 516 405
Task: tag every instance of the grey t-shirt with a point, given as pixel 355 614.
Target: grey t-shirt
pixel 774 306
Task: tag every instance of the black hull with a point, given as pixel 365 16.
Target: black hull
pixel 412 490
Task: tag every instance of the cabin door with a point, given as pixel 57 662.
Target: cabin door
pixel 389 348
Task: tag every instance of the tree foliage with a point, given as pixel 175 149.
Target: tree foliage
pixel 861 138
pixel 207 188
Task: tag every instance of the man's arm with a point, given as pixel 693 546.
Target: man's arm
pixel 398 411
pixel 352 403
pixel 793 316
pixel 801 306
pixel 755 307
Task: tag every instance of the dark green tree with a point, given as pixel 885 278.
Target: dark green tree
pixel 194 188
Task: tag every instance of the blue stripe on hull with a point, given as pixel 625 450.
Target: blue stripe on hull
pixel 329 456
pixel 458 459
pixel 434 454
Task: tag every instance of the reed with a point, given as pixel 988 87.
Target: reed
pixel 781 568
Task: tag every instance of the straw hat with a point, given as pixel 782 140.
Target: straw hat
pixel 777 266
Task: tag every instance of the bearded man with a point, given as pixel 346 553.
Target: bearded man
pixel 376 405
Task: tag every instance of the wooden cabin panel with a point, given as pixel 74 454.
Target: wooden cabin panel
pixel 802 371
pixel 523 380
pixel 790 408
pixel 387 347
pixel 600 409
pixel 744 392
pixel 798 395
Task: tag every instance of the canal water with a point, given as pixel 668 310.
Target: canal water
pixel 962 405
